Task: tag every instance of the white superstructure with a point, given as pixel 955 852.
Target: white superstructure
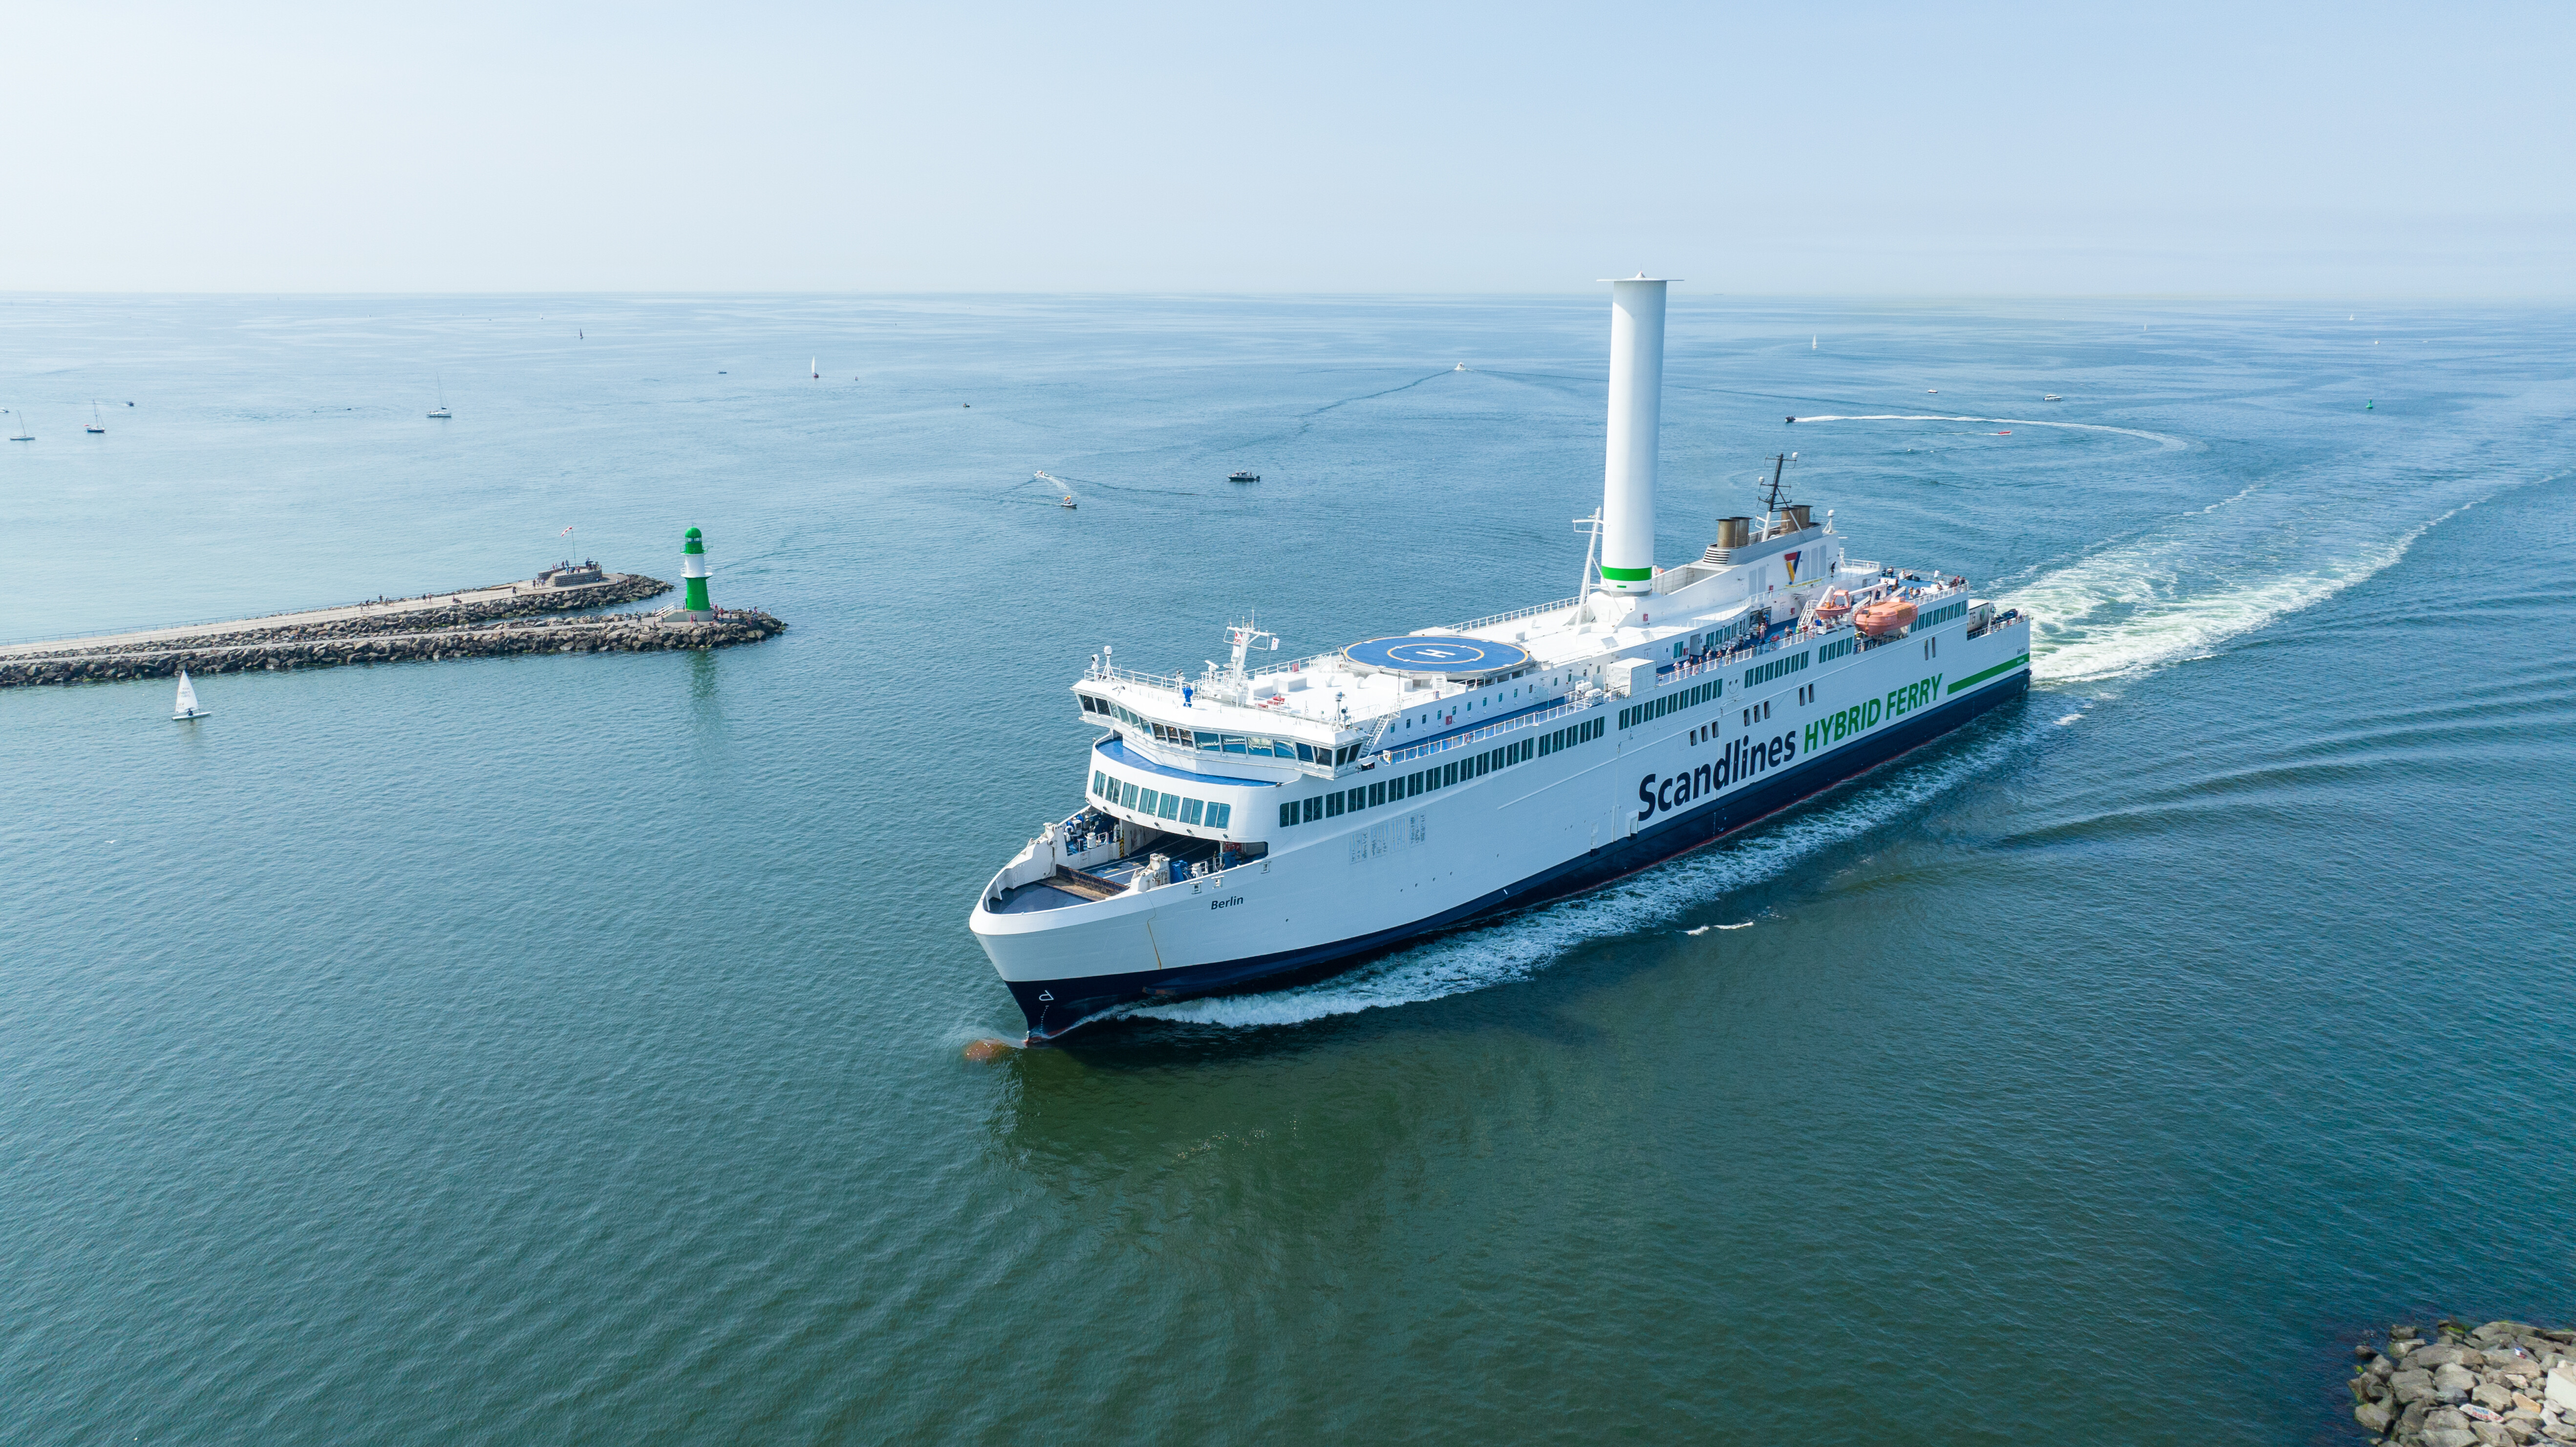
pixel 1265 820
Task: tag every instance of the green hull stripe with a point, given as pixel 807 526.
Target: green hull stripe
pixel 1973 679
pixel 1626 575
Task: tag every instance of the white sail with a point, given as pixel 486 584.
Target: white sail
pixel 187 705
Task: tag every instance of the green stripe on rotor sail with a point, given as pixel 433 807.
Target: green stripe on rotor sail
pixel 1627 575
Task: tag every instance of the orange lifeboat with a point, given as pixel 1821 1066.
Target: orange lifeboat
pixel 1885 618
pixel 1836 605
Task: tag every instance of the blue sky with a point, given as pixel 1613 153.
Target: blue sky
pixel 2342 151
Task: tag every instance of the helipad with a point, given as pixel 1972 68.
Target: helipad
pixel 1434 653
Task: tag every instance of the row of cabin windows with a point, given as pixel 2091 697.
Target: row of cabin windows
pixel 1837 648
pixel 1217 743
pixel 1396 790
pixel 1570 735
pixel 1942 614
pixel 1673 702
pixel 1756 677
pixel 1159 804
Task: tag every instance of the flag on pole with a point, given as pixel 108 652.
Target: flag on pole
pixel 565 533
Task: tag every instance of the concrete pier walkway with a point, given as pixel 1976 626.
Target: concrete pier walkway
pixel 511 618
pixel 500 600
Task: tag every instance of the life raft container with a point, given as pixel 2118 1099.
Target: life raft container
pixel 1885 618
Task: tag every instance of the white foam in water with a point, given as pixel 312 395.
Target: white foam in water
pixel 2158 438
pixel 2135 606
pixel 1518 947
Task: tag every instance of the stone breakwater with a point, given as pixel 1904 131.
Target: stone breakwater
pixel 332 646
pixel 2504 1382
pixel 427 612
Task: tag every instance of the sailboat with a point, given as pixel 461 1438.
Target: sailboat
pixel 97 424
pixel 186 710
pixel 816 367
pixel 442 414
pixel 20 433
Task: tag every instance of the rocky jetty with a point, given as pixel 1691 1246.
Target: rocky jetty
pixel 2504 1382
pixel 359 641
pixel 428 612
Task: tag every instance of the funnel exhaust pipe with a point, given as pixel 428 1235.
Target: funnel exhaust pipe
pixel 1636 417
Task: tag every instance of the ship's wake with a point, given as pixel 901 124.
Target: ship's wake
pixel 2180 592
pixel 1518 946
pixel 2160 439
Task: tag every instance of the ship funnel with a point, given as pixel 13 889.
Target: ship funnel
pixel 1636 416
pixel 1732 533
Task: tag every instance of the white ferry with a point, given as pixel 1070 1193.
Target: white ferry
pixel 1266 822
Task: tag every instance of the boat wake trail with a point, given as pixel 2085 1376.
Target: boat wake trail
pixel 2170 596
pixel 2158 438
pixel 1519 946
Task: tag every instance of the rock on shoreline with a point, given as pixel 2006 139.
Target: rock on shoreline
pixel 2506 1382
pixel 334 645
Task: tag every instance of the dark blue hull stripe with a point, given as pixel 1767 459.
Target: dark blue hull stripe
pixel 1072 1002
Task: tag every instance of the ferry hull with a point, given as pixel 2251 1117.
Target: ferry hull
pixel 1055 1007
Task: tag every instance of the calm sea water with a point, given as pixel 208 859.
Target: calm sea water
pixel 569 1049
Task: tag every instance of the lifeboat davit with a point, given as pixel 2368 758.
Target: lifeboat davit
pixel 1885 618
pixel 1835 606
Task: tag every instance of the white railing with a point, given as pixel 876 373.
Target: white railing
pixel 1489 731
pixel 1309 662
pixel 1798 638
pixel 1515 615
pixel 1166 682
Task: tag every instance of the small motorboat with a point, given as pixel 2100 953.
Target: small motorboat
pixel 1885 618
pixel 2048 397
pixel 1243 477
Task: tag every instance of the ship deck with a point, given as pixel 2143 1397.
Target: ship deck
pixel 1068 887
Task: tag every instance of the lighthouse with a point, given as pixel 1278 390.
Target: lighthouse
pixel 693 576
